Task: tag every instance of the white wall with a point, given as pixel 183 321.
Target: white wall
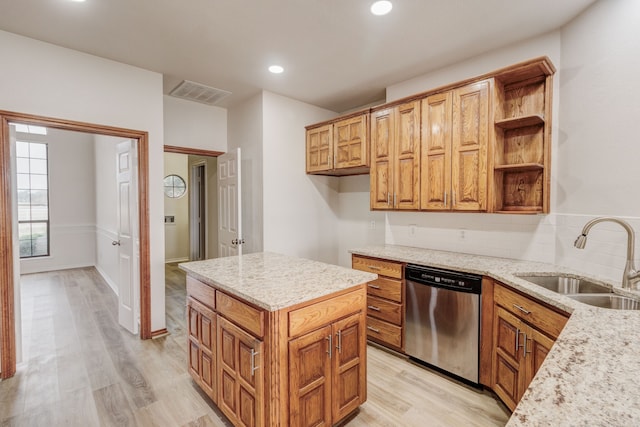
pixel 598 156
pixel 106 213
pixel 176 234
pixel 71 202
pixel 47 80
pixel 193 125
pixel 245 132
pixel 300 210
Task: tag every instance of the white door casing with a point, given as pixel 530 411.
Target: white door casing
pixel 127 207
pixel 16 246
pixel 229 207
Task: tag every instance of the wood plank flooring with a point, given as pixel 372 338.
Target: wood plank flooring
pixel 81 369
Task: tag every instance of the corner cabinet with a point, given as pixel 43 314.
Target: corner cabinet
pixel 395 157
pixel 303 365
pixel 339 147
pixel 523 332
pixel 455 141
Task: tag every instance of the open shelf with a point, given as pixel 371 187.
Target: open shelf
pixel 523 167
pixel 518 122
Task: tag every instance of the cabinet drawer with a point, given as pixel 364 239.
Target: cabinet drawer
pixel 319 314
pixel 386 288
pixel 244 315
pixel 532 312
pixel 385 332
pixel 201 292
pixel 378 266
pixel 384 310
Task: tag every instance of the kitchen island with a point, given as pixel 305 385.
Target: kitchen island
pixel 277 340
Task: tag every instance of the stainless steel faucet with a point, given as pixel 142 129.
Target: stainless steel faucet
pixel 630 276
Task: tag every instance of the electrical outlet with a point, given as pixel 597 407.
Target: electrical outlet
pixel 372 225
pixel 462 234
pixel 412 229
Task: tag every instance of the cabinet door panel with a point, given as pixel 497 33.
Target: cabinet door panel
pixel 407 156
pixel 538 346
pixel 436 152
pixel 508 372
pixel 241 386
pixel 309 379
pixel 381 159
pixel 349 365
pixel 319 144
pixel 470 141
pixel 194 358
pixel 208 374
pixel 350 138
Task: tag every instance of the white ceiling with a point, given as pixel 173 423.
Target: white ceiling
pixel 336 54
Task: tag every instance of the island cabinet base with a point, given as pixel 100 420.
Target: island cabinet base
pixel 303 365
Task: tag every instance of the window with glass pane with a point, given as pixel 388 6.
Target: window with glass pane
pixel 33 198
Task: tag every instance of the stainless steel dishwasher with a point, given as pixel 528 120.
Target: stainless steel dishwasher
pixel 443 319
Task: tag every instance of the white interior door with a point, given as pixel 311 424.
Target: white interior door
pixel 229 206
pixel 128 275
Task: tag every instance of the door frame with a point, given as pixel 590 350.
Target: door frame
pixel 7 285
pixel 196 204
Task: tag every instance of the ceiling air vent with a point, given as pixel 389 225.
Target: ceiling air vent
pixel 197 92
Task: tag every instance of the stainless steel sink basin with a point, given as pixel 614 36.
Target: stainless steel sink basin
pixel 617 302
pixel 567 284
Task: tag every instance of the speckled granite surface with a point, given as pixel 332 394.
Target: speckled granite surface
pixel 591 377
pixel 273 281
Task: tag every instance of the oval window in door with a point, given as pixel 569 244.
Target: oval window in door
pixel 174 186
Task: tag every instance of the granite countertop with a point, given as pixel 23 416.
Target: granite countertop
pixel 273 281
pixel 589 377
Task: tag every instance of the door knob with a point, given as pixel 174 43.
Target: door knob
pixel 115 243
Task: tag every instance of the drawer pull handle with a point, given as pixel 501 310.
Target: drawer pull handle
pixel 253 361
pixel 373 307
pixel 373 267
pixel 377 331
pixel 374 286
pixel 330 338
pixel 522 309
pixel 339 346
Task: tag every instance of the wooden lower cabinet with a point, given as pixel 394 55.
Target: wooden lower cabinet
pixel 328 374
pixel 299 366
pixel 520 344
pixel 385 301
pixel 240 375
pixel 202 346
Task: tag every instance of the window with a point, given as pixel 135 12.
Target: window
pixel 174 186
pixel 33 198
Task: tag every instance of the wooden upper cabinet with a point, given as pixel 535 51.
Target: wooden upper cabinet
pixel 470 141
pixel 350 137
pixel 339 147
pixel 436 152
pixel 395 157
pixel 455 140
pixel 320 149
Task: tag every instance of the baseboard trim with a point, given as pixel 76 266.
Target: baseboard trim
pixel 106 278
pixel 159 333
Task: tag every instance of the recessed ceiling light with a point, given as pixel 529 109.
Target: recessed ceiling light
pixel 276 69
pixel 381 7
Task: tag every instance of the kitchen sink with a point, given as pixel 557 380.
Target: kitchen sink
pixel 617 302
pixel 567 284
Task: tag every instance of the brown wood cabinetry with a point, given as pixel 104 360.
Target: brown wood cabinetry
pixel 240 375
pixel 328 376
pixel 395 157
pixel 454 145
pixel 385 301
pixel 522 154
pixel 312 355
pixel 201 350
pixel 339 147
pixel 523 333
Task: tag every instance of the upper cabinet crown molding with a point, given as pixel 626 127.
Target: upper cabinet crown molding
pixel 481 145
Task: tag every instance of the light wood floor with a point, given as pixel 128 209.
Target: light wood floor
pixel 82 369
